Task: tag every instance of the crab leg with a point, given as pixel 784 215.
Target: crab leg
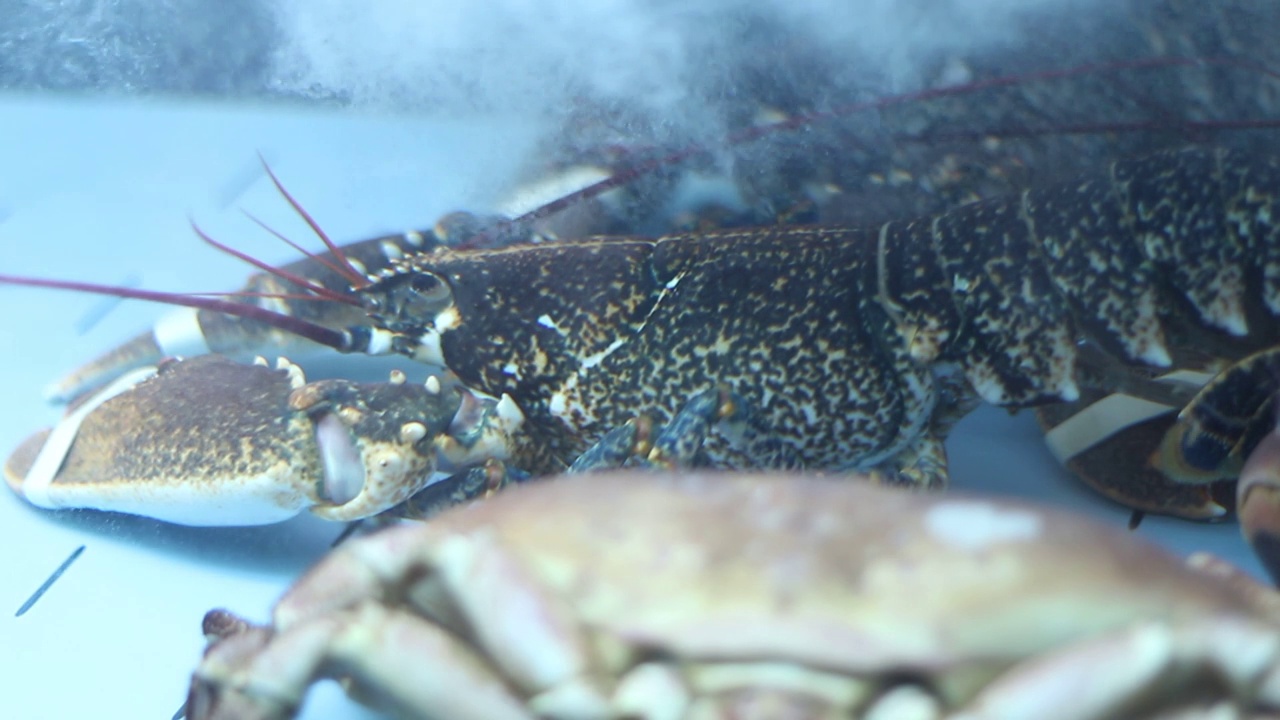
pixel 1130 668
pixel 253 673
pixel 207 441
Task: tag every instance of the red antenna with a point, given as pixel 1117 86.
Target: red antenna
pixel 642 169
pixel 320 290
pixel 347 270
pixel 328 337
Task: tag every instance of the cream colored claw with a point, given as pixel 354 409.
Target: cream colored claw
pixel 207 441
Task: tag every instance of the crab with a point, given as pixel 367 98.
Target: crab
pixel 709 595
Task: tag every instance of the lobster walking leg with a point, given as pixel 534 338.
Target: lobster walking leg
pixel 637 443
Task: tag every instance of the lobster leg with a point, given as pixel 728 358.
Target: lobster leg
pixel 474 483
pixel 210 442
pixel 633 444
pixel 921 465
pixel 636 444
pixel 678 444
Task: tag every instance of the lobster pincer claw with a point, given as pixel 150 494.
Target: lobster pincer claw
pixel 376 442
pixel 207 441
pixel 1217 429
pixel 1202 426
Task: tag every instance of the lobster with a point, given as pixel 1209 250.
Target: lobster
pixel 847 344
pixel 95 678
pixel 852 349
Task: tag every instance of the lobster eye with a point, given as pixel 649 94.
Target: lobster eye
pixel 429 286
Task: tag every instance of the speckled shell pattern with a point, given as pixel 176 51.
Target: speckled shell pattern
pixel 834 336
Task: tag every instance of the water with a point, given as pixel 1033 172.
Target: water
pixel 100 185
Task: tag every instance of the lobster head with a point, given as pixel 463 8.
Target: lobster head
pixel 524 320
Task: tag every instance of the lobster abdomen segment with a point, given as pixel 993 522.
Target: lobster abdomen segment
pixel 1165 260
pixel 1158 258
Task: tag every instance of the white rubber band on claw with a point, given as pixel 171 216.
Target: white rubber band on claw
pixel 178 333
pixel 380 342
pixel 1113 413
pixel 36 485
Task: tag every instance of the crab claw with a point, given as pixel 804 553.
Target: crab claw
pixel 1258 502
pixel 207 441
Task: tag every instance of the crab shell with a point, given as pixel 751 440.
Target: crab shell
pixel 207 441
pixel 714 596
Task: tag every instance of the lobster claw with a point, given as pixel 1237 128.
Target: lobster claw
pixel 1106 440
pixel 207 441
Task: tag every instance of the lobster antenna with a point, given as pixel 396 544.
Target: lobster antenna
pixel 1191 126
pixel 337 269
pixel 269 296
pixel 353 276
pixel 639 170
pixel 314 287
pixel 320 334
